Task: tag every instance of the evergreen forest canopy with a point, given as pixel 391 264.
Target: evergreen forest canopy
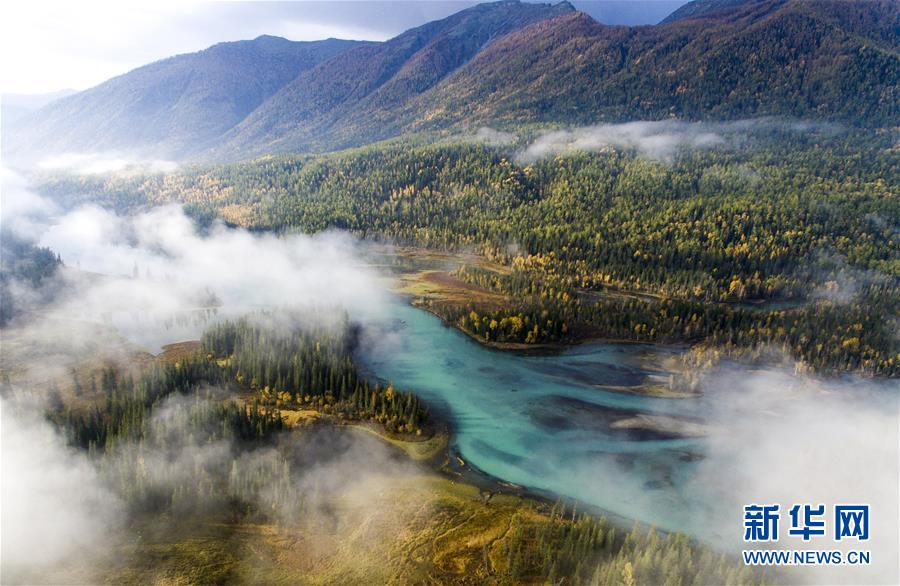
pixel 779 237
pixel 280 367
pixel 788 242
pixel 26 275
pixel 219 409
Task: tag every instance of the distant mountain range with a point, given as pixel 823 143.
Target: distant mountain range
pixel 174 107
pixel 15 106
pixel 500 64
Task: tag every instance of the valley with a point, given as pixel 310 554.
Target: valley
pixel 422 293
pixel 448 520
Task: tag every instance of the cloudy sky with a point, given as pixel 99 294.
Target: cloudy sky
pixel 48 46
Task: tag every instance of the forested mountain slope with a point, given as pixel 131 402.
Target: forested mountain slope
pixel 803 59
pixel 831 60
pixel 499 64
pixel 357 96
pixel 172 107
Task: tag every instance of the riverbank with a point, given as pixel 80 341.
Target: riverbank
pixel 437 454
pixel 435 448
pixel 667 369
pixel 425 280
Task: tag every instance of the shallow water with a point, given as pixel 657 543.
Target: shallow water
pixel 552 423
pixel 544 421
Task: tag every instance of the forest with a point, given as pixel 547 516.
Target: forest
pixel 271 368
pixel 856 335
pixel 784 239
pixel 516 292
pixel 31 266
pixel 220 410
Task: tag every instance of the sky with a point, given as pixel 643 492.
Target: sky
pixel 49 46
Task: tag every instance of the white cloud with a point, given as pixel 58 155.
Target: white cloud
pixel 54 505
pixel 178 268
pixel 657 140
pixel 660 140
pixel 22 211
pixel 494 137
pixel 778 438
pixel 101 163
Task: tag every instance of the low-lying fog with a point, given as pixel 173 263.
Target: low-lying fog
pixel 777 437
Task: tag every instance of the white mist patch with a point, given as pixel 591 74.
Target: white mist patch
pixel 783 439
pixel 493 137
pixel 156 279
pixel 155 266
pixel 22 211
pixel 54 504
pixel 105 162
pixel 240 267
pixel 842 282
pixel 659 140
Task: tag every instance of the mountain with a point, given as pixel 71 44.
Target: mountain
pixel 630 12
pixel 172 107
pixel 833 60
pixel 702 9
pixel 722 59
pixel 353 97
pixel 14 106
pixel 502 63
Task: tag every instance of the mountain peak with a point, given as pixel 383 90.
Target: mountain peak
pixel 556 9
pixel 382 77
pixel 270 39
pixel 492 63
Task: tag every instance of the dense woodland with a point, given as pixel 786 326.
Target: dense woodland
pixel 787 239
pixel 312 369
pixel 26 275
pixel 199 438
pixel 216 406
pixel 855 335
pixel 272 368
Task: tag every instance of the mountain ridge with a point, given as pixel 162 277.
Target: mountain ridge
pixel 703 9
pixel 387 74
pixel 508 63
pixel 14 106
pixel 593 72
pixel 176 104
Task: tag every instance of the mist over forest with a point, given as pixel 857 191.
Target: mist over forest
pixel 512 297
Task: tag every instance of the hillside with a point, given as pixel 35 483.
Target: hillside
pixel 827 60
pixel 355 97
pixel 702 9
pixel 15 106
pixel 795 59
pixel 503 63
pixel 172 107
